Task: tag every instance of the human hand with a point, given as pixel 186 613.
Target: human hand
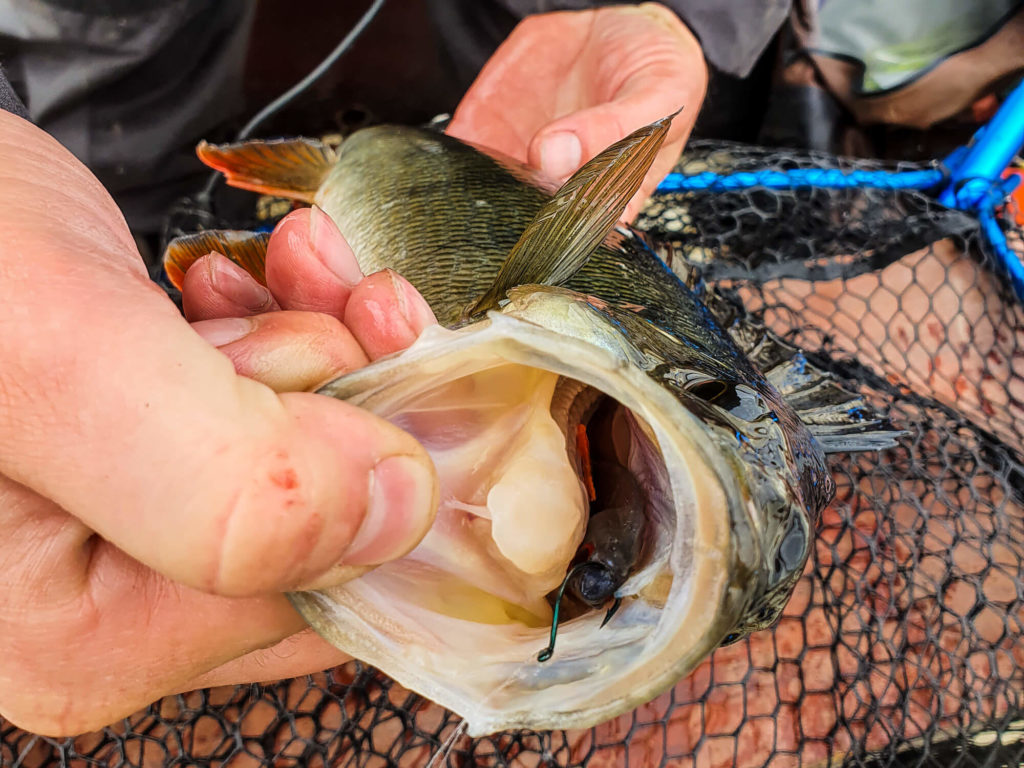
pixel 155 504
pixel 566 85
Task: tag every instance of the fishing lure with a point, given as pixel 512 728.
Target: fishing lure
pixel 611 546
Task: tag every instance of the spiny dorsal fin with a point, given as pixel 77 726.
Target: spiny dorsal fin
pixel 293 168
pixel 247 249
pixel 567 229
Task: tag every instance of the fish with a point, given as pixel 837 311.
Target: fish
pixel 565 347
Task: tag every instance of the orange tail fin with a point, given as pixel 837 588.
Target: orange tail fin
pixel 292 168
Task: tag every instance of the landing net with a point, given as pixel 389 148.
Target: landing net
pixel 903 644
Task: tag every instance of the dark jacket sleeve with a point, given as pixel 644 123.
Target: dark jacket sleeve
pixel 9 101
pixel 733 33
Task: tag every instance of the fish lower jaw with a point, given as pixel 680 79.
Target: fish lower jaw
pixel 461 619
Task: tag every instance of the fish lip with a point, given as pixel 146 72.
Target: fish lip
pixel 726 544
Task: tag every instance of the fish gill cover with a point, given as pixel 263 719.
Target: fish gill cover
pixel 904 641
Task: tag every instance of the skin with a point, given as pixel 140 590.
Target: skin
pixel 604 74
pixel 159 494
pixel 146 488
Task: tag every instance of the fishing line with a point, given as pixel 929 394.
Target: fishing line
pixel 446 746
pixel 288 96
pixel 449 743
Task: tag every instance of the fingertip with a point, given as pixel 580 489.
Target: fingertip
pixel 559 153
pixel 386 313
pixel 300 654
pixel 413 307
pixel 289 351
pixel 403 500
pixel 216 287
pixel 562 146
pixel 333 249
pixel 222 331
pixel 598 128
pixel 367 492
pixel 310 265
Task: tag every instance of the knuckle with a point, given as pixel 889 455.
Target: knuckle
pixel 270 528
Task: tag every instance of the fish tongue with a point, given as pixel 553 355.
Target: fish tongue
pixel 538 508
pixel 513 510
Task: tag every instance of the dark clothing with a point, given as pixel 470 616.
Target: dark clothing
pixel 733 34
pixel 130 86
pixel 9 101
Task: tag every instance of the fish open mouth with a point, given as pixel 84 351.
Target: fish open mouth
pixel 525 457
pixel 530 450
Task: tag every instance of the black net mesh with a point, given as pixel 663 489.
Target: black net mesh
pixel 904 641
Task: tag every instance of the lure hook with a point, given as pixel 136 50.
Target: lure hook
pixel 611 611
pixel 550 650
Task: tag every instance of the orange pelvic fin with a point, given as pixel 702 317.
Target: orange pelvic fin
pixel 246 249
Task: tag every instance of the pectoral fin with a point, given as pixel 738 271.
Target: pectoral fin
pixel 246 249
pixel 292 168
pixel 840 420
pixel 573 223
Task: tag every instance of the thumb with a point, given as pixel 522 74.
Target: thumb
pixel 115 409
pixel 649 66
pixel 563 146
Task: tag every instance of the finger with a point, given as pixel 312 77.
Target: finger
pixel 90 635
pixel 288 351
pixel 309 265
pixel 216 287
pixel 303 653
pixel 652 67
pixel 113 407
pixel 386 314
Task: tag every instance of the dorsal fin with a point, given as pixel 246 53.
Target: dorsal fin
pixel 567 228
pixel 246 249
pixel 293 168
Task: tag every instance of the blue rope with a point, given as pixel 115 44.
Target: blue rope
pixel 825 178
pixel 971 176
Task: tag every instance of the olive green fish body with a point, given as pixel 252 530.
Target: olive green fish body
pixel 433 209
pixel 550 313
pixel 445 215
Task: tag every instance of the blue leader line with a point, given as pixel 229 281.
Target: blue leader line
pixel 969 179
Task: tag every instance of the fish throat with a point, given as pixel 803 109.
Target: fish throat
pixel 605 435
pixel 542 476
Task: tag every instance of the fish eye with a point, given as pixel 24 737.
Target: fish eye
pixel 731 638
pixel 792 550
pixel 723 394
pixel 709 390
